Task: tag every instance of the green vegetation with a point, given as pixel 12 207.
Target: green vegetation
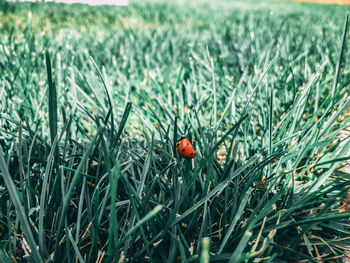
pixel 94 99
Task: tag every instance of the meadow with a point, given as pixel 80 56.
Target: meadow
pixel 94 100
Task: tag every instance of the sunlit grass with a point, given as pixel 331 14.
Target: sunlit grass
pixel 92 109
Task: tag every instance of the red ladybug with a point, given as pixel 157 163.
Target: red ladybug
pixel 185 148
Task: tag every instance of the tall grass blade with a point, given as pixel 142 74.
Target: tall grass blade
pixel 52 98
pixel 340 57
pixel 25 226
pixel 76 180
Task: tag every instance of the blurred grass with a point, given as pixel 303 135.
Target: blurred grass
pixel 95 98
pixel 52 17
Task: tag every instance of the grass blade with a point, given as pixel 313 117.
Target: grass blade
pixel 340 58
pixel 52 99
pixel 76 180
pixel 25 226
pixel 234 221
pixel 237 254
pixel 205 254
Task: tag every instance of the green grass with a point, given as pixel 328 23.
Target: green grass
pixel 94 100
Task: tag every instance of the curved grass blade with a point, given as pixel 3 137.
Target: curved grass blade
pixel 74 245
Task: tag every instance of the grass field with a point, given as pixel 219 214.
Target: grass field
pixel 94 99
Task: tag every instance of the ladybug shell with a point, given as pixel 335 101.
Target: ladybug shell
pixel 185 149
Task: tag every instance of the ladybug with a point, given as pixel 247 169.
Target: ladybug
pixel 185 148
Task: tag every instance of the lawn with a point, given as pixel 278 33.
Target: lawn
pixel 95 99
